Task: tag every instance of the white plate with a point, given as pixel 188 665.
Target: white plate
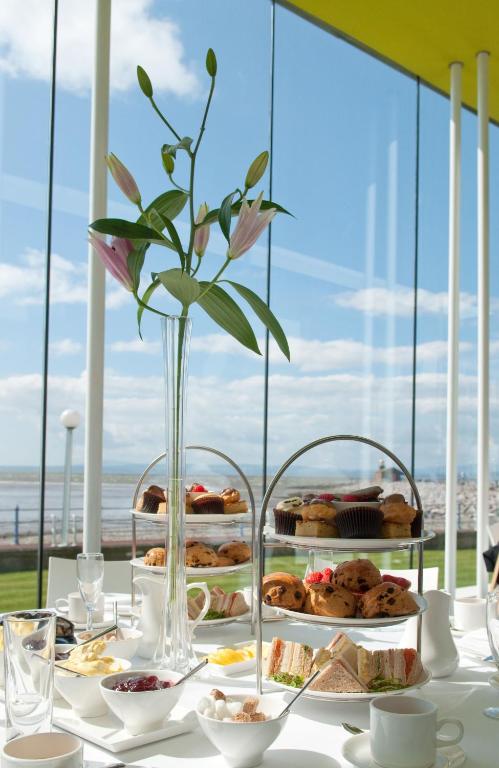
pixel 357 750
pixel 108 732
pixel 354 622
pixel 138 562
pixel 348 545
pixel 239 668
pixel 107 622
pixel 242 517
pixel 227 620
pixel 333 696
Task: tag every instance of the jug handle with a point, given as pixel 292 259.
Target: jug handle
pixel 202 585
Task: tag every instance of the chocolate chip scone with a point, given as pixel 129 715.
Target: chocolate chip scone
pixel 386 600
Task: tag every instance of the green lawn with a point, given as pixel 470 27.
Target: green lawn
pixel 18 589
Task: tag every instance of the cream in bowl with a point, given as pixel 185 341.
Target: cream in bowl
pixel 241 727
pixel 142 699
pixel 124 648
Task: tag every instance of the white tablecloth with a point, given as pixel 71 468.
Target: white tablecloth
pixel 313 736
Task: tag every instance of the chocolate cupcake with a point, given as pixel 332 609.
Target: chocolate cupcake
pixel 286 515
pixel 417 525
pixel 151 499
pixel 359 523
pixel 207 504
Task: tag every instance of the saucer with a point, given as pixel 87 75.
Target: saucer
pixel 357 750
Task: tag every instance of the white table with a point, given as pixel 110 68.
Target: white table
pixel 313 736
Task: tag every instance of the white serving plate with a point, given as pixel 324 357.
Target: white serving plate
pixel 218 622
pixel 108 732
pixel 239 668
pixel 348 545
pixel 333 696
pixel 241 517
pixel 354 622
pixel 138 562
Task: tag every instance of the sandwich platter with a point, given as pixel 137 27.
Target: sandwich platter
pixel 226 620
pixel 355 697
pixel 349 545
pixel 354 622
pixel 241 517
pixel 138 562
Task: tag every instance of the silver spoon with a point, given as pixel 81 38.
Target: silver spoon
pixel 302 690
pixel 65 655
pixel 192 671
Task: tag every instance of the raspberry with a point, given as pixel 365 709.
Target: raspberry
pixel 314 578
pixel 326 575
pixel 351 497
pixel 196 488
pixel 402 583
pixel 327 496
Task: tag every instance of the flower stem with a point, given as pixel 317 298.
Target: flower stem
pixel 163 118
pixel 222 269
pixel 146 306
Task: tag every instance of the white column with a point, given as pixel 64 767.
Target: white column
pixel 453 328
pixel 92 492
pixel 482 512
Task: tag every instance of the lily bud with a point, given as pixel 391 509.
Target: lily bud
pixel 123 179
pixel 202 234
pixel 168 162
pixel 115 258
pixel 144 82
pixel 256 170
pixel 249 227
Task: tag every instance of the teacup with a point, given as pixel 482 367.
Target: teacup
pixel 404 732
pixel 470 613
pixel 47 750
pixel 76 609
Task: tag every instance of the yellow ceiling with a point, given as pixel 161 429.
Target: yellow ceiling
pixel 421 36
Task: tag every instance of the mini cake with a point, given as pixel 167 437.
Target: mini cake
pixel 200 556
pixel 328 600
pixel 398 517
pixel 359 522
pixel 387 599
pixel 356 575
pixel 238 551
pixel 283 590
pixel 233 505
pixel 151 500
pixel 318 519
pixel 155 556
pixel 207 504
pixel 287 514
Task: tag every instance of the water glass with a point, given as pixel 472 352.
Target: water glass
pixel 29 643
pixel 90 572
pixel 493 636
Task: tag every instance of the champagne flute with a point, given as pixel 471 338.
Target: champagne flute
pixel 90 572
pixel 493 636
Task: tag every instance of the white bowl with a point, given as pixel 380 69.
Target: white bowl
pixel 84 693
pixel 243 744
pixel 142 711
pixel 121 649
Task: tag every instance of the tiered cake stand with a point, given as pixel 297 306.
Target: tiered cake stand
pixel 223 527
pixel 269 539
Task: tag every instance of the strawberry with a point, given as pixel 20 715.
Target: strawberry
pixel 402 583
pixel 313 578
pixel 326 575
pixel 195 488
pixel 351 497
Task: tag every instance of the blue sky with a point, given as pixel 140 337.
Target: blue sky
pixel 342 274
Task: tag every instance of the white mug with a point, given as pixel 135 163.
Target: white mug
pixel 470 613
pixel 404 732
pixel 43 750
pixel 77 611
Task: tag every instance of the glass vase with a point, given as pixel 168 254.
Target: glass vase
pixel 174 647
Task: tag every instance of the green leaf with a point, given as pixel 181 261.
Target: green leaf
pixel 225 215
pixel 256 170
pixel 211 62
pixel 123 228
pixel 181 285
pixel 236 207
pixel 156 220
pixel 175 239
pixel 135 262
pixel 262 311
pixel 145 298
pixel 168 204
pixel 225 312
pixel 144 82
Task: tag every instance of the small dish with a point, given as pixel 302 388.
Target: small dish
pixel 83 693
pixel 125 648
pixel 357 750
pixel 238 667
pixel 142 711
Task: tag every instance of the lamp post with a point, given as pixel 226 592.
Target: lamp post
pixel 70 420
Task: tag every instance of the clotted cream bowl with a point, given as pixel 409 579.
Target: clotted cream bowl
pixel 84 693
pixel 243 744
pixel 142 711
pixel 124 648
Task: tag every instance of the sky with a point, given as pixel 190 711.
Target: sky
pixel 342 277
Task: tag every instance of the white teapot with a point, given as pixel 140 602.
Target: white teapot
pixel 438 649
pixel 152 588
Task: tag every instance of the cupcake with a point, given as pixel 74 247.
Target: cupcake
pixel 207 504
pixel 359 523
pixel 152 500
pixel 286 515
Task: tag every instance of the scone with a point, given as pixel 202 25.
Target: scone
pixel 356 575
pixel 155 556
pixel 396 530
pixel 223 561
pixel 233 505
pixel 238 551
pixel 283 590
pixel 200 556
pixel 397 512
pixel 387 599
pixel 318 509
pixel 318 528
pixel 327 600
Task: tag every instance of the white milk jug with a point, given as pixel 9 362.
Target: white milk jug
pixel 438 650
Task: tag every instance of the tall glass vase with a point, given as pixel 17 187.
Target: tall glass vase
pixel 174 648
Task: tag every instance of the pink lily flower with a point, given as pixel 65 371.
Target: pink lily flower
pixel 114 256
pixel 123 179
pixel 249 227
pixel 202 234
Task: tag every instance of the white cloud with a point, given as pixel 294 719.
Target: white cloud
pixel 64 347
pixel 136 345
pixel 400 302
pixel 137 37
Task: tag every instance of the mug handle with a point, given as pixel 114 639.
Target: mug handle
pixel 446 741
pixel 61 602
pixel 202 585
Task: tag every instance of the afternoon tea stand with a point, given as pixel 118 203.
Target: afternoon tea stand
pixel 225 525
pixel 268 539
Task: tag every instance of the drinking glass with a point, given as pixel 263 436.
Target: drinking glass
pixel 29 642
pixel 493 636
pixel 90 572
